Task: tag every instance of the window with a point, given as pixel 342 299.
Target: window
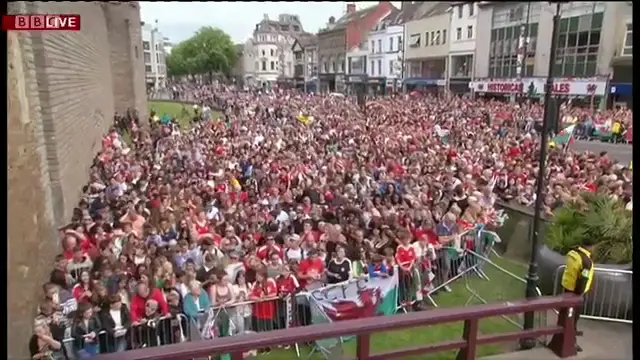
pixel 627 47
pixel 460 11
pixel 414 40
pixel 373 67
pixel 135 49
pixel 391 44
pixel 147 57
pixel 333 66
pixel 271 52
pixel 380 67
pixel 400 43
pixel 516 14
pixel 157 58
pixel 426 38
pixel 390 67
pixel 470 32
pixel 341 67
pixel 273 66
pixel 146 46
pixel 147 68
pixel 373 46
pixel 264 65
pixel 444 36
pixel 380 45
pixel 433 38
pixel 438 37
pixel 459 34
pixel 325 67
pixel 263 53
pixel 471 9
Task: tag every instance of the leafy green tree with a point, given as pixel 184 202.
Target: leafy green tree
pixel 210 50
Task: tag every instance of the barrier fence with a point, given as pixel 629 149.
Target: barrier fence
pixel 609 300
pixel 365 295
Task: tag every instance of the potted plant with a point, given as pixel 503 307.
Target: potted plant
pixel 594 216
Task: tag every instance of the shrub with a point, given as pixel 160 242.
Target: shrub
pixel 596 216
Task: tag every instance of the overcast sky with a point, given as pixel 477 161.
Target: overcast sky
pixel 179 20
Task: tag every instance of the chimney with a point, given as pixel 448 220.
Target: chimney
pixel 332 20
pixel 351 8
pixel 265 17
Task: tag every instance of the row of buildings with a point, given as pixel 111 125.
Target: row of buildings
pixel 498 48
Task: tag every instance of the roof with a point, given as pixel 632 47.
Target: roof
pixel 342 22
pixel 405 14
pixel 305 40
pixel 427 9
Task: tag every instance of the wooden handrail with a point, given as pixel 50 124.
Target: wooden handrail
pixel 563 342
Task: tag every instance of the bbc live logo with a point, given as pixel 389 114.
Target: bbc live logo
pixel 41 22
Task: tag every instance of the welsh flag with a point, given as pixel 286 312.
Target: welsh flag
pixel 564 137
pixel 359 298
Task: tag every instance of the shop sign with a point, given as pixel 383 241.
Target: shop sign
pixel 567 87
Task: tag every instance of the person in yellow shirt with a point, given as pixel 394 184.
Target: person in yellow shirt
pixel 578 276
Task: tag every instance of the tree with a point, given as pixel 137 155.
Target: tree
pixel 209 50
pixel 593 216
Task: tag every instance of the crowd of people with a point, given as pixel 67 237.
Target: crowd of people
pixel 286 192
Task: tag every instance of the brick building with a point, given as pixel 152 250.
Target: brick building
pixel 65 90
pixel 342 34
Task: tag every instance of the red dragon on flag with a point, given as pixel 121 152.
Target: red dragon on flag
pixel 347 309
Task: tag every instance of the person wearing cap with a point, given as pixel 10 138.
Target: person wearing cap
pixel 578 275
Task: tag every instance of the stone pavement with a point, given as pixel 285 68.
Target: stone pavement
pixel 601 340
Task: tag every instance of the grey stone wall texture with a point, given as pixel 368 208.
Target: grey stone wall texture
pixel 64 88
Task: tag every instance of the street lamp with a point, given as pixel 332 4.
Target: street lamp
pixel 532 274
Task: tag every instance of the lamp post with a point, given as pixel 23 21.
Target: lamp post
pixel 532 274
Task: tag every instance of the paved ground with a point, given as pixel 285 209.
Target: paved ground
pixel 620 152
pixel 601 340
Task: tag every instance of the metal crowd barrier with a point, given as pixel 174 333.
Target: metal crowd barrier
pixel 608 299
pixel 161 331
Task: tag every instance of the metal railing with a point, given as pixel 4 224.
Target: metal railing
pixel 610 297
pixel 563 343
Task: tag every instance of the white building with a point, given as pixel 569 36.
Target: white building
pixel 155 66
pixel 268 56
pixel 462 44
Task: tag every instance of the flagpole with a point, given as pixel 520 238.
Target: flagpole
pixel 532 274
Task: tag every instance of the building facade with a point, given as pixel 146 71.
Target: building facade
pixel 342 35
pixel 386 41
pixel 427 48
pixel 621 84
pixel 462 45
pixel 268 54
pixel 514 39
pixel 155 66
pixel 305 68
pixel 168 45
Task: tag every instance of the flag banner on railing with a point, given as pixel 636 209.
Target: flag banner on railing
pixel 359 298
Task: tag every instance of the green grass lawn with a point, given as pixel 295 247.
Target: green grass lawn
pixel 501 288
pixel 183 112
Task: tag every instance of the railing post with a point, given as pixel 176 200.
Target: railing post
pixel 470 335
pixel 362 346
pixel 564 343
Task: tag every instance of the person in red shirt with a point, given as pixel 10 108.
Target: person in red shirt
pixel 405 258
pixel 139 300
pixel 263 293
pixel 311 269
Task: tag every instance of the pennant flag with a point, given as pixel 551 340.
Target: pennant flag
pixel 565 136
